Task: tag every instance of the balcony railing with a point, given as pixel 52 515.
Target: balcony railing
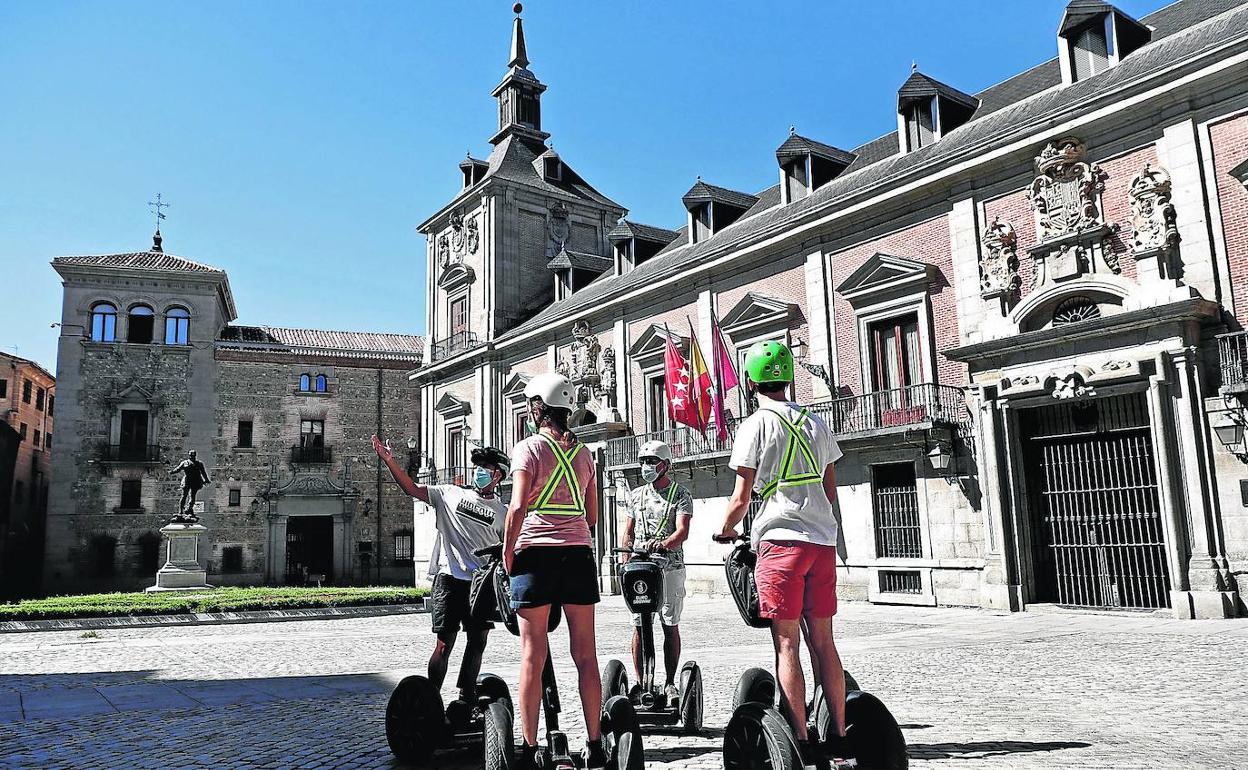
pixel 848 417
pixel 311 454
pixel 452 345
pixel 457 475
pixel 1233 360
pixel 128 453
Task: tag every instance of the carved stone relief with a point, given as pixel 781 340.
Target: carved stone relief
pixel 444 250
pixel 1066 189
pixel 998 267
pixel 1153 224
pixel 1070 386
pixel 559 226
pixel 474 235
pixel 592 372
pixel 457 233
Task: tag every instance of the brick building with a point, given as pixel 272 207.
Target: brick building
pixel 153 367
pixel 27 403
pixel 1022 312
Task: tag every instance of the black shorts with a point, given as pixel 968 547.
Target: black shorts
pixel 450 606
pixel 561 574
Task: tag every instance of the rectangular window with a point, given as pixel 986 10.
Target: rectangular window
pixel 21 432
pixel 459 316
pixel 311 433
pixel 896 354
pixel 4 388
pixel 1090 51
pixel 27 387
pixel 657 417
pixel 133 433
pixel 403 546
pixel 520 425
pixel 455 459
pixel 131 494
pixel 232 558
pixel 244 434
pixel 38 442
pixel 921 123
pixel 900 582
pixel 40 393
pixel 236 498
pixel 895 499
pixel 51 404
pixel 47 440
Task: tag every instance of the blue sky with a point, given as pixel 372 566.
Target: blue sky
pixel 300 143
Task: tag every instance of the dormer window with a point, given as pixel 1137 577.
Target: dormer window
pixel 634 243
pixel 552 169
pixel 473 170
pixel 928 109
pixel 807 165
pixel 712 208
pixel 1094 36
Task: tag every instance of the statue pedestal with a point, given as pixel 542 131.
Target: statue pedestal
pixel 181 571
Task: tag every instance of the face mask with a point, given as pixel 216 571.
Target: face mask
pixel 481 478
pixel 649 473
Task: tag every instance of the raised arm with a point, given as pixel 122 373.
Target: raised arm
pixel 418 491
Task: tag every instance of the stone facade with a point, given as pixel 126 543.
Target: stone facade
pixel 282 418
pixel 28 401
pixel 1060 251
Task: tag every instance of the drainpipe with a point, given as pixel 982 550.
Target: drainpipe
pixel 377 546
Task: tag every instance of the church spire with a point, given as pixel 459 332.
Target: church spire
pixel 519 57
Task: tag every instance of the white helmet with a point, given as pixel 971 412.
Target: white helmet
pixel 553 389
pixel 656 449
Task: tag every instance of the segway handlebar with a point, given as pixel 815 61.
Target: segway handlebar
pixel 493 551
pixel 734 539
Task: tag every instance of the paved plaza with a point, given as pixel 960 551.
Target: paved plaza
pixel 971 689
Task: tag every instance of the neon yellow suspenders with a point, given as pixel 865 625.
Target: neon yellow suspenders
pixel 563 472
pixel 797 443
pixel 671 497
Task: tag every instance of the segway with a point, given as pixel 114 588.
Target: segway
pixel 759 736
pixel 641 580
pixel 621 733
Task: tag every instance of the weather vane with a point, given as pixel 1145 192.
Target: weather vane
pixel 156 207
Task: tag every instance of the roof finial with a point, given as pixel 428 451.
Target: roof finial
pixel 156 207
pixel 792 130
pixel 519 57
pixel 914 66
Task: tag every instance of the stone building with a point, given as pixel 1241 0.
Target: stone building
pixel 27 403
pixel 154 367
pixel 1022 312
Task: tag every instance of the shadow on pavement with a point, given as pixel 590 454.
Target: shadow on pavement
pixel 985 749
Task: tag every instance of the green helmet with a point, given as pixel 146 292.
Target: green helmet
pixel 769 361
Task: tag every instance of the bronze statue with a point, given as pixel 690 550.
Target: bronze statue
pixel 194 477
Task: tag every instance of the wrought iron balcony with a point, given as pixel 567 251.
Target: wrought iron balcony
pixel 849 417
pixel 1233 361
pixel 130 453
pixel 311 454
pixel 459 476
pixel 455 344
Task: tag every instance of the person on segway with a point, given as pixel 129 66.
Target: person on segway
pixel 548 552
pixel 658 517
pixel 787 455
pixel 466 520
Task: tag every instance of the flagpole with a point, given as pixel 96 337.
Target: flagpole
pixel 695 352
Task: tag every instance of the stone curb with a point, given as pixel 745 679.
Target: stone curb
pixel 210 618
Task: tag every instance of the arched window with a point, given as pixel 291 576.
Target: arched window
pixel 1074 310
pixel 104 322
pixel 321 383
pixel 140 324
pixel 177 326
pixel 305 383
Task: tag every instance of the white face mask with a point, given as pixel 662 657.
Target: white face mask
pixel 649 473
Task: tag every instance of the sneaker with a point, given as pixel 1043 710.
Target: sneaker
pixel 595 757
pixel 672 693
pixel 837 749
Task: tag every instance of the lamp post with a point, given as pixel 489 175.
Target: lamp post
pixel 413 458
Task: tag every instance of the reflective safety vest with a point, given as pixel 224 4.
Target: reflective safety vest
pixel 797 443
pixel 563 472
pixel 658 531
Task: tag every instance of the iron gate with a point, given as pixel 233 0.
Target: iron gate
pixel 1095 511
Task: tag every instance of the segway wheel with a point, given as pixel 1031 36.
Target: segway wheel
pixel 758 738
pixel 414 723
pixel 622 735
pixel 499 743
pixel 851 684
pixel 492 688
pixel 756 685
pixel 691 698
pixel 873 734
pixel 818 711
pixel 614 680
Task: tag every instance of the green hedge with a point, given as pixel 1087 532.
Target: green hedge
pixel 215 600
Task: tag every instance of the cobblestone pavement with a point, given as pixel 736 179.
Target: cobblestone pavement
pixel 971 689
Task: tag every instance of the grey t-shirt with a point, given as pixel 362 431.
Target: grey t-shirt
pixel 654 518
pixel 465 522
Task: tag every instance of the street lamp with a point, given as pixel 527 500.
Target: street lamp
pixel 940 458
pixel 413 457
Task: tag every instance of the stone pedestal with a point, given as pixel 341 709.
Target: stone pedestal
pixel 181 571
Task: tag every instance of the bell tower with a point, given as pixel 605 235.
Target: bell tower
pixel 520 94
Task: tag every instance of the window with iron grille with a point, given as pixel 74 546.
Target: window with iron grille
pixel 895 498
pixel 236 498
pixel 403 546
pixel 244 434
pixel 900 582
pixel 232 558
pixel 27 386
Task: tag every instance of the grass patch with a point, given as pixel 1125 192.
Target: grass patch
pixel 89 635
pixel 215 600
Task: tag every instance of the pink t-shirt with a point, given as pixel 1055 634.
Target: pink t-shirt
pixel 534 456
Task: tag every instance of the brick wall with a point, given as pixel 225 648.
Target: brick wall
pixel 1230 148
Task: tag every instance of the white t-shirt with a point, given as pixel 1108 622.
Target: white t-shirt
pixel 465 521
pixel 802 513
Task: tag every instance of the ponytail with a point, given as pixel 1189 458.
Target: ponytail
pixel 553 417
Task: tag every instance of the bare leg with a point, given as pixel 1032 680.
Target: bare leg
pixel 441 657
pixel 471 665
pixel 823 649
pixel 637 652
pixel 671 651
pixel 786 636
pixel 814 659
pixel 585 655
pixel 533 645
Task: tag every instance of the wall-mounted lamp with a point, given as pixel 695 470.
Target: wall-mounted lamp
pixel 1230 430
pixel 940 457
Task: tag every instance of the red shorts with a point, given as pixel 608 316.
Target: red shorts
pixel 795 579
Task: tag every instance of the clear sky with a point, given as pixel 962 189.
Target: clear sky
pixel 300 143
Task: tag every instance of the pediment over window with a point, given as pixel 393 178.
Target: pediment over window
pixel 455 275
pixel 757 311
pixel 884 276
pixel 653 342
pixel 451 407
pixel 514 389
pixel 133 394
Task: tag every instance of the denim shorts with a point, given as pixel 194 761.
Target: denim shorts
pixel 560 574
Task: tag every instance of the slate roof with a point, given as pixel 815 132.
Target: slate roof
pixel 138 260
pixel 701 192
pixel 1079 11
pixel 1018 106
pixel 797 145
pixel 399 347
pixel 580 260
pixel 919 86
pixel 625 229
